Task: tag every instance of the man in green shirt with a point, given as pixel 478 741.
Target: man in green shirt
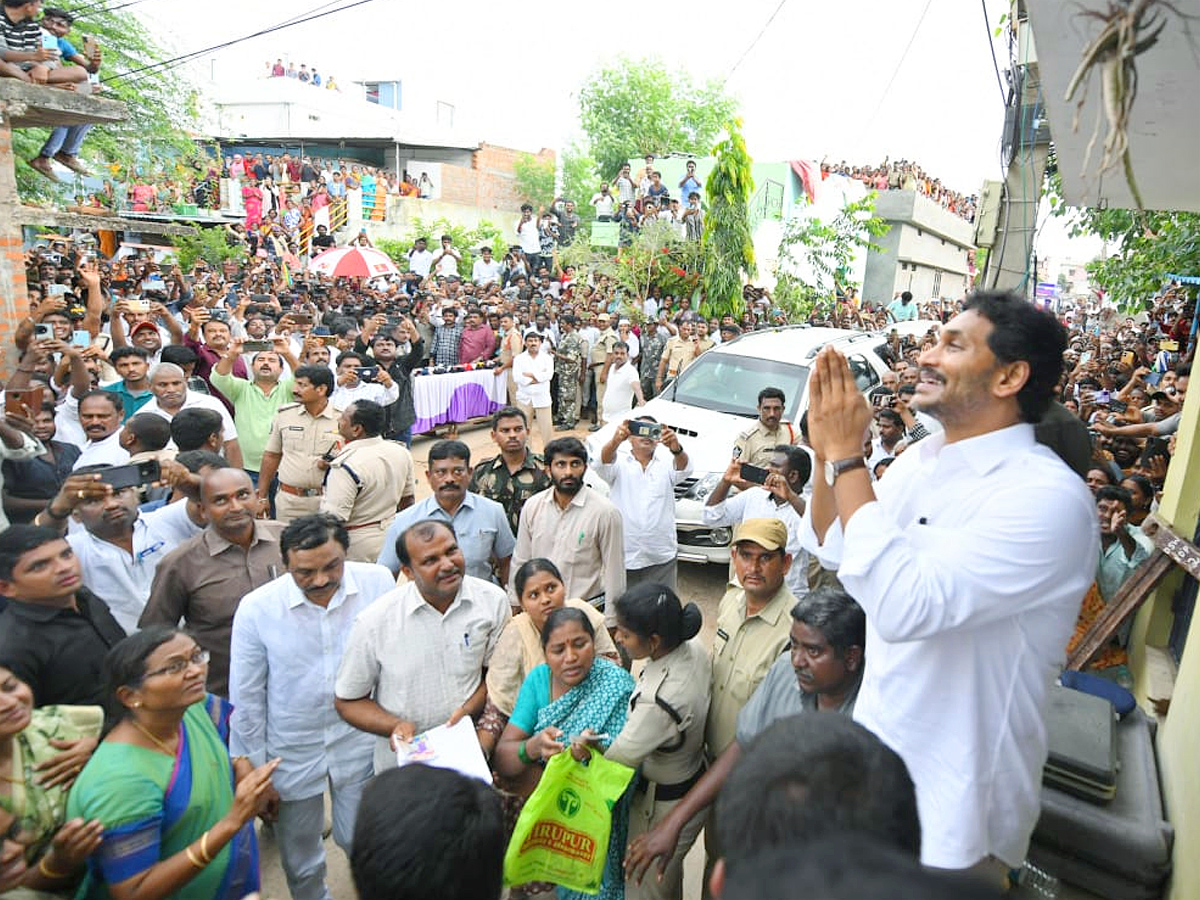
pixel 255 402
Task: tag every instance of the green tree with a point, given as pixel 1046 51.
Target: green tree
pixel 161 105
pixel 634 107
pixel 727 244
pixel 208 244
pixel 467 241
pixel 535 180
pixel 581 178
pixel 1143 246
pixel 814 256
pixel 655 258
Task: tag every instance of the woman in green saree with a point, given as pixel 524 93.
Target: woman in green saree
pixel 177 816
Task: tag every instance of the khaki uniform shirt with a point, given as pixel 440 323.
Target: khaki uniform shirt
pixel 367 480
pixel 603 346
pixel 757 445
pixel 301 439
pixel 743 651
pixel 681 353
pixel 664 733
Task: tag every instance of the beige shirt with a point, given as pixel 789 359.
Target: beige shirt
pixel 756 445
pixel 669 748
pixel 417 663
pixel 586 541
pixel 367 480
pixel 681 353
pixel 301 439
pixel 603 346
pixel 743 650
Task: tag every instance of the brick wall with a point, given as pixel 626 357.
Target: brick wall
pixel 14 298
pixel 497 181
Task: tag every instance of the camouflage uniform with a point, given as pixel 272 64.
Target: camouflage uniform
pixel 653 344
pixel 492 479
pixel 569 358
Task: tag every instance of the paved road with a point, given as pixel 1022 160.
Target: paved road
pixel 701 584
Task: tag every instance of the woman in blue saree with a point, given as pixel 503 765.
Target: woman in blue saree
pixel 178 817
pixel 573 691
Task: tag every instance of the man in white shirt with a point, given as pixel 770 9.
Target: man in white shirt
pixel 420 261
pixel 287 644
pixel 780 497
pixel 527 235
pixel 641 481
pixel 532 372
pixel 604 202
pixel 446 260
pixel 351 388
pixel 417 658
pixel 970 560
pixel 485 270
pixel 100 414
pixel 118 546
pixel 169 386
pixel 622 384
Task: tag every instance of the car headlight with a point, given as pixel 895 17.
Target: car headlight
pixel 704 486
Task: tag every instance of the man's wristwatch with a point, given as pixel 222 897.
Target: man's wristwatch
pixel 834 468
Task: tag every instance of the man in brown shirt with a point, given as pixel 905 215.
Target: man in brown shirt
pixel 204 579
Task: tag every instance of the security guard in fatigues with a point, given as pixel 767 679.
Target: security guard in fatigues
pixel 301 441
pixel 368 481
pixel 664 733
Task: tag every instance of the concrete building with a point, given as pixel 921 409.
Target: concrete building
pixel 927 250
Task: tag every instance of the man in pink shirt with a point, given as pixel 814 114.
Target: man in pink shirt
pixel 478 340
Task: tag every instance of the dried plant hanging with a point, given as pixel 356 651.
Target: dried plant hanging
pixel 1129 29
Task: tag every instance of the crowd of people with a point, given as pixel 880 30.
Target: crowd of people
pixel 212 496
pixel 902 175
pixel 304 74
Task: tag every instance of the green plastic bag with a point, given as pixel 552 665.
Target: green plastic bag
pixel 562 833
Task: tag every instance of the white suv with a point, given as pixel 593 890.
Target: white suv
pixel 716 399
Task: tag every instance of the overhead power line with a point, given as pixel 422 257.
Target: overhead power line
pixel 153 68
pixel 987 25
pixel 754 42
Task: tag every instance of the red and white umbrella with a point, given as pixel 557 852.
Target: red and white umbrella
pixel 353 262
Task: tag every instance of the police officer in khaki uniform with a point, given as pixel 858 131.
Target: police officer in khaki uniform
pixel 601 357
pixel 368 481
pixel 753 625
pixel 664 733
pixel 680 352
pixel 304 437
pixel 757 445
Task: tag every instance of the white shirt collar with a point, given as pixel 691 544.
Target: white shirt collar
pixel 983 452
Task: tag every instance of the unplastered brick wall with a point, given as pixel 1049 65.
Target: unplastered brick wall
pixel 491 182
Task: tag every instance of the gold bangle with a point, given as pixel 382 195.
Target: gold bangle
pixel 204 854
pixel 49 872
pixel 192 858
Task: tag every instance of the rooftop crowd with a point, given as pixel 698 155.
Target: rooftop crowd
pixel 901 175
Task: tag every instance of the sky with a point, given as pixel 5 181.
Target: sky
pixel 858 80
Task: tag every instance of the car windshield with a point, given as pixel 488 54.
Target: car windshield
pixel 730 383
